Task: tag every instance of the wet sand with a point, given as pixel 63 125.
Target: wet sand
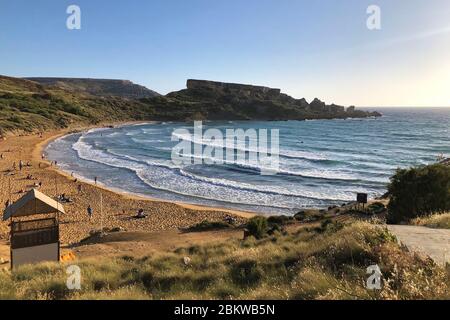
pixel 118 208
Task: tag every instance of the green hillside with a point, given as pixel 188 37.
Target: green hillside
pixel 99 87
pixel 51 103
pixel 29 106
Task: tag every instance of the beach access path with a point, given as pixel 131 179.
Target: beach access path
pixel 434 243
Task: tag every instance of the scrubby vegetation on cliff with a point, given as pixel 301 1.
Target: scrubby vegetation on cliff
pixel 28 106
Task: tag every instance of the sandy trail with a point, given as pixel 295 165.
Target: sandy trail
pixel 434 243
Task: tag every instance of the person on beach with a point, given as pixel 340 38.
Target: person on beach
pixel 89 212
pixel 95 179
pixel 141 214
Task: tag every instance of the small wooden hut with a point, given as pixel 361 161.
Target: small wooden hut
pixel 34 229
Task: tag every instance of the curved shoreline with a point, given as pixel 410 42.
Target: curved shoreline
pixel 40 148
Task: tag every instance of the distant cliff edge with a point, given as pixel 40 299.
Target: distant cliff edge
pixel 99 87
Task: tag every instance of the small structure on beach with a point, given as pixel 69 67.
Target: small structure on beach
pixel 34 229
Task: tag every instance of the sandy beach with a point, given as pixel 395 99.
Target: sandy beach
pixel 118 208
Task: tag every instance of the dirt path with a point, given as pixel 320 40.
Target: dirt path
pixel 434 243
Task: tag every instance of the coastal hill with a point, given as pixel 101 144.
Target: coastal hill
pixel 29 106
pixel 229 101
pixel 99 87
pixel 36 104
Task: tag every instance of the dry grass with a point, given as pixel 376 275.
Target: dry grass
pixel 438 221
pixel 329 263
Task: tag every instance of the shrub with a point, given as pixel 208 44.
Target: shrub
pixel 279 220
pixel 309 216
pixel 15 119
pixel 246 273
pixel 329 226
pixel 376 208
pixel 419 191
pixel 207 225
pixel 257 227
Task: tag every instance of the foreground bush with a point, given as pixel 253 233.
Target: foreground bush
pixel 304 265
pixel 208 226
pixel 419 192
pixel 257 227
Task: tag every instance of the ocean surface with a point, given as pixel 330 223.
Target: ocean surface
pixel 321 162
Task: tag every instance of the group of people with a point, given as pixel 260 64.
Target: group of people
pixel 30 177
pixel 21 165
pixel 63 198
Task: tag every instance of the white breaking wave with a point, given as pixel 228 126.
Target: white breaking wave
pixel 307 173
pixel 203 187
pixel 233 146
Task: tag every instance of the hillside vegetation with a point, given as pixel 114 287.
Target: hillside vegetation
pixel 437 221
pixel 51 103
pixel 324 263
pixel 29 106
pixel 99 87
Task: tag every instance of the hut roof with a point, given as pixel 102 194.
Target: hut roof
pixel 33 203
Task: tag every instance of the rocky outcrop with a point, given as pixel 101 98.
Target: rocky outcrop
pixel 231 101
pixel 99 87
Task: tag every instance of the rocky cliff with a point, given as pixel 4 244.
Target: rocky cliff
pixel 230 101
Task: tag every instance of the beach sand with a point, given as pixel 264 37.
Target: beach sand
pixel 118 208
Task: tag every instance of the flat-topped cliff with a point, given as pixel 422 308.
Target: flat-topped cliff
pixel 231 87
pixel 99 87
pixel 214 100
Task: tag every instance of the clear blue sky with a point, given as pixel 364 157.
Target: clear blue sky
pixel 307 48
